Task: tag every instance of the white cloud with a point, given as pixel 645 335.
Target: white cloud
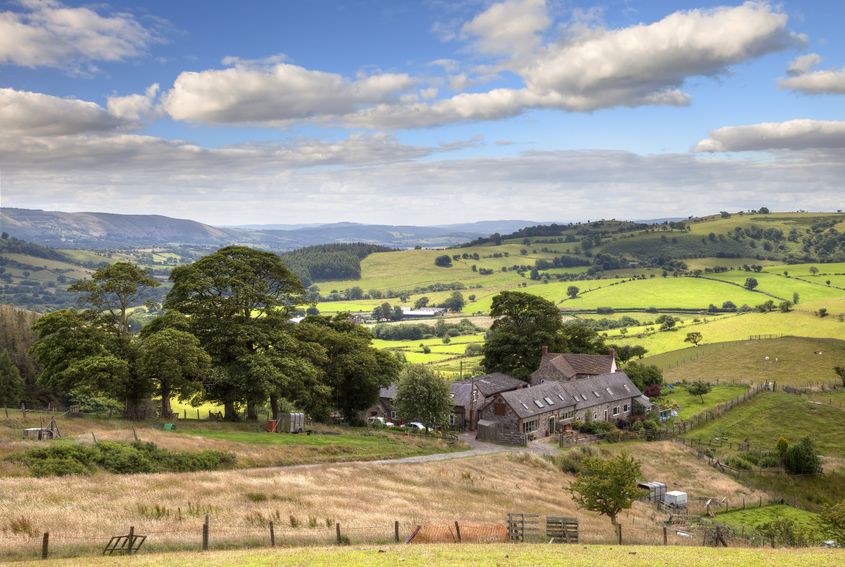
pixel 48 34
pixel 648 63
pixel 273 95
pixel 134 107
pixel 813 82
pixel 25 113
pixel 792 135
pixel 510 28
pixel 803 63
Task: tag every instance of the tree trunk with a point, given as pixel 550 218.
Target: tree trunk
pixel 229 413
pixel 133 410
pixel 274 406
pixel 166 411
pixel 251 411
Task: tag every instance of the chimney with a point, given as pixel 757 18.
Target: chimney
pixel 545 350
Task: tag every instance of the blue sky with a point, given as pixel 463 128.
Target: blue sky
pixel 421 112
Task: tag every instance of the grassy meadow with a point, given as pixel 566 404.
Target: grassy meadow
pixel 688 405
pixel 477 489
pixel 749 519
pixel 247 441
pixel 789 361
pixel 768 416
pixel 497 554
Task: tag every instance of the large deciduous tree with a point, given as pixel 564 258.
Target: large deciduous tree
pixel 239 301
pixel 524 324
pixel 354 370
pixel 175 363
pixel 11 383
pixel 422 394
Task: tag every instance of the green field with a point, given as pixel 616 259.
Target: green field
pixel 781 286
pixel 487 554
pixel 788 361
pixel 768 416
pixel 746 521
pixel 802 322
pixel 687 405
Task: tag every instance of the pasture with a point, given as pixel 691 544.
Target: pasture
pixel 749 519
pixel 688 405
pixel 792 361
pixel 768 416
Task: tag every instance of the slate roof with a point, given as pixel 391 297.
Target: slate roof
pixel 609 387
pixel 490 384
pixel 589 363
pixel 582 394
pixel 389 392
pixel 528 402
pixel 461 393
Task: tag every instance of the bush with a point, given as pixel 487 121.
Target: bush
pixel 120 458
pixel 738 463
pixel 802 458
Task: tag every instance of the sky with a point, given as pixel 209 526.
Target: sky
pixel 421 112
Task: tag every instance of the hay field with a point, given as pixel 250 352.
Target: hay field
pixel 477 489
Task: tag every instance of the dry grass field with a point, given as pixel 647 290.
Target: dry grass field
pixel 305 502
pixel 504 555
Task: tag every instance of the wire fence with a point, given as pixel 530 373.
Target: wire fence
pixel 209 535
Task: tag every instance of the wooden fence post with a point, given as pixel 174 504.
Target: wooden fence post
pixel 396 531
pixel 272 536
pixel 337 531
pixel 619 533
pixel 130 540
pixel 205 534
pixel 45 545
pixel 665 535
pixel 458 531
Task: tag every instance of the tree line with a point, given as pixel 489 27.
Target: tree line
pixel 224 335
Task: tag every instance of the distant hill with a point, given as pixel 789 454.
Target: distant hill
pixel 107 230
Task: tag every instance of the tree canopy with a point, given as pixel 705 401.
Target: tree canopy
pixel 607 486
pixel 423 395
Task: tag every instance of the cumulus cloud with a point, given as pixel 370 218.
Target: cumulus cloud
pixel 510 28
pixel 46 33
pixel 253 93
pixel 589 68
pixel 818 82
pixel 803 63
pixel 791 135
pixel 24 113
pixel 134 107
pixel 648 63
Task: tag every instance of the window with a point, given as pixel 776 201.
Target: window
pixel 595 415
pixel 615 411
pixel 561 397
pixel 596 394
pixel 392 414
pixel 475 395
pixel 539 404
pixel 626 408
pixel 452 419
pixel 549 401
pixel 499 408
pixel 608 391
pixel 531 425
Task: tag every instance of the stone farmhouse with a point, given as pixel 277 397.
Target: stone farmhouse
pixel 384 407
pixel 469 395
pixel 554 406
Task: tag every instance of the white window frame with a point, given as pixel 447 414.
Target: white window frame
pixel 452 419
pixel 531 425
pixel 392 414
pixel 615 411
pixel 626 408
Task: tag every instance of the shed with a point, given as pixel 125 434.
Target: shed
pixel 292 423
pixel 676 499
pixel 656 490
pixel 486 430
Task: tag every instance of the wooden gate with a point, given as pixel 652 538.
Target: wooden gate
pixel 523 526
pixel 562 529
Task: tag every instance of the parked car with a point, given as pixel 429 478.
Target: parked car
pixel 378 422
pixel 416 425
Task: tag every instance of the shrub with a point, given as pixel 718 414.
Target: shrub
pixel 738 463
pixel 121 458
pixel 802 458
